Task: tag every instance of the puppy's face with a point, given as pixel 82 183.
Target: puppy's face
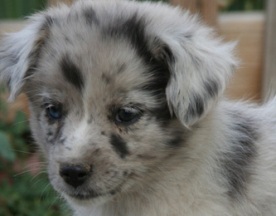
pixel 112 87
pixel 99 111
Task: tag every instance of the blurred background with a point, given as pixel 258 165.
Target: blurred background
pixel 24 188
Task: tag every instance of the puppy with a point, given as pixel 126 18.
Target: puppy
pixel 126 104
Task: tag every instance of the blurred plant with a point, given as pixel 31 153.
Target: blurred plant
pixel 18 9
pixel 234 5
pixel 22 194
pixel 14 9
pixel 13 135
pixel 241 5
pixel 23 197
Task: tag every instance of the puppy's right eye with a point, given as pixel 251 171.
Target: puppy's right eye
pixel 54 112
pixel 128 115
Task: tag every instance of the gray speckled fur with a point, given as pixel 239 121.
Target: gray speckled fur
pixel 190 153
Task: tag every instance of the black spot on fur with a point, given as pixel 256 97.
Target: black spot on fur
pixel 9 83
pixel 146 157
pixel 162 51
pixel 175 141
pixel 188 36
pixel 238 160
pixel 159 68
pixel 119 145
pixel 71 72
pixel 196 106
pixel 211 87
pixel 49 133
pixel 113 192
pixel 133 30
pixel 162 113
pixel 48 21
pixel 90 16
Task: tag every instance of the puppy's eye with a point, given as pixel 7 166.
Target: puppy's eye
pixel 54 112
pixel 128 115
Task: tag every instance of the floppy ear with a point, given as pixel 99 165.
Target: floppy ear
pixel 19 53
pixel 199 70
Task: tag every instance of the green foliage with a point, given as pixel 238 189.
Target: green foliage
pixel 13 9
pixel 245 5
pixel 6 151
pixel 22 194
pixel 18 9
pixel 12 135
pixel 29 196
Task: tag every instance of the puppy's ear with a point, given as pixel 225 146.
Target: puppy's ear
pixel 200 68
pixel 19 53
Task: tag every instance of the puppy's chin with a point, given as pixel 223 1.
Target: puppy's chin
pixel 88 199
pixel 88 194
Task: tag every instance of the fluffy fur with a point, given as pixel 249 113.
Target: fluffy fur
pixel 126 103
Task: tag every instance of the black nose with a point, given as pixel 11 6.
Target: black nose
pixel 74 175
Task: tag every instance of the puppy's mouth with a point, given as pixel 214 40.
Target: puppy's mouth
pixel 91 194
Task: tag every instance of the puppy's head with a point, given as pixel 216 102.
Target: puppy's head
pixel 112 88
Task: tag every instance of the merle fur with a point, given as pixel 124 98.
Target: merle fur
pixel 196 106
pixel 133 30
pixel 71 72
pixel 90 16
pixel 238 161
pixel 211 87
pixel 119 145
pixel 177 140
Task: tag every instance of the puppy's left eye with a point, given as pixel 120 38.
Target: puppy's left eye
pixel 54 112
pixel 128 115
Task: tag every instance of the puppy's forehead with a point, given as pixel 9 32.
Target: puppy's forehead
pixel 90 51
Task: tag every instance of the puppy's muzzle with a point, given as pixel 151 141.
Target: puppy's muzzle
pixel 75 175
